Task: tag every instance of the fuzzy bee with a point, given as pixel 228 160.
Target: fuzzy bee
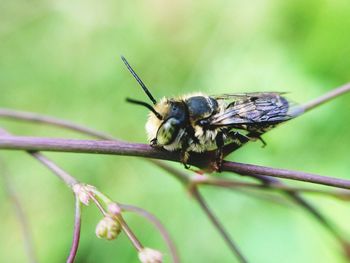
pixel 200 123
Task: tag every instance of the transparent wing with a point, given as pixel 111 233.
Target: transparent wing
pixel 239 96
pixel 254 108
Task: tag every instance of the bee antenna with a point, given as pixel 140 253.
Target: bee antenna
pixel 143 86
pixel 145 104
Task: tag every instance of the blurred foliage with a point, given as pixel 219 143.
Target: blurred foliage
pixel 61 58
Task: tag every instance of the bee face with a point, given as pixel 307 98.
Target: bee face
pixel 174 119
pixel 168 131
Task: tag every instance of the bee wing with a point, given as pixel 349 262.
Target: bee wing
pixel 247 95
pixel 254 108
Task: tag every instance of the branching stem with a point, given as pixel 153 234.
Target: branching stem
pixel 142 150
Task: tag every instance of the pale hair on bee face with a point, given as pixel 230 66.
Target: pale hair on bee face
pixel 153 123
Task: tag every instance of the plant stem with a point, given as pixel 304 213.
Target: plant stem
pixel 20 214
pixel 215 221
pixel 76 233
pixel 326 97
pixel 63 175
pixel 39 118
pixel 142 150
pixel 151 218
pixel 250 169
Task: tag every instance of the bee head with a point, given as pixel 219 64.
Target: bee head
pixel 175 119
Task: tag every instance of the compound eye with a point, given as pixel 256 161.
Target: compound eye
pixel 168 131
pixel 174 110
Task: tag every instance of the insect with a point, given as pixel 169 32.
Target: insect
pixel 200 123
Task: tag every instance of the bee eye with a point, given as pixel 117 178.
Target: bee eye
pixel 168 131
pixel 174 109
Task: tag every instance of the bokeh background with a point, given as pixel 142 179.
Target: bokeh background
pixel 61 58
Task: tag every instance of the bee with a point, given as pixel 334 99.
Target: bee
pixel 200 123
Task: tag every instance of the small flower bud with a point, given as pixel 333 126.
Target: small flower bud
pixel 114 209
pixel 83 192
pixel 108 228
pixel 149 255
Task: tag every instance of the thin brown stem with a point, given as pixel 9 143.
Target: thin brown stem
pixel 98 204
pixel 130 234
pixel 267 183
pixel 39 118
pixel 142 150
pixel 326 97
pixel 215 221
pixel 229 183
pixel 76 232
pixel 250 169
pixel 127 230
pixel 151 218
pixel 20 214
pixel 313 211
pixel 66 177
pixel 63 175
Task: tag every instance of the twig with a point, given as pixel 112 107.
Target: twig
pixel 229 183
pixel 71 181
pixel 39 118
pixel 250 169
pixel 215 221
pixel 76 233
pixel 143 150
pixel 267 183
pixel 20 214
pixel 271 184
pixel 326 97
pixel 298 199
pixel 63 175
pixel 151 218
pixel 67 178
pixel 134 240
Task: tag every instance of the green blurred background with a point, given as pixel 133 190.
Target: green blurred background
pixel 61 58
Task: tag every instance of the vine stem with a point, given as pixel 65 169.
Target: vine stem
pixel 39 118
pixel 76 233
pixel 63 175
pixel 151 218
pixel 71 181
pixel 33 117
pixel 20 213
pixel 326 97
pixel 142 150
pixel 215 221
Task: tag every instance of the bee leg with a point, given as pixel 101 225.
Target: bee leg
pixel 154 144
pixel 263 142
pixel 219 152
pixel 184 154
pixel 235 139
pixel 238 137
pixel 257 136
